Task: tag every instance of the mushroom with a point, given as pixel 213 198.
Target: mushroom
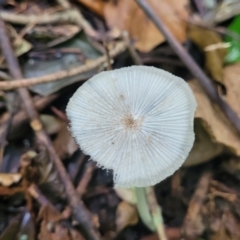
pixel 137 121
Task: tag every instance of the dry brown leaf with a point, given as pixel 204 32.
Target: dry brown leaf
pixel 216 124
pixel 64 143
pixel 204 39
pixel 204 148
pixel 7 179
pixel 128 16
pixel 127 215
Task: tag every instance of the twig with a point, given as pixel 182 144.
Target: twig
pixel 203 79
pixel 7 85
pixel 80 213
pixel 189 228
pixel 69 15
pixel 137 60
pixel 59 17
pixel 81 188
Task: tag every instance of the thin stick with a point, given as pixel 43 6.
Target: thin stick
pixel 194 207
pixel 203 79
pixel 90 65
pixel 109 60
pixel 87 176
pixel 80 213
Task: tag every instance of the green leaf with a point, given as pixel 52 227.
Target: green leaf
pixel 233 54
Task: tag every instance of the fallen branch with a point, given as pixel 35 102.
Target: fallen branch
pixel 90 65
pixel 203 79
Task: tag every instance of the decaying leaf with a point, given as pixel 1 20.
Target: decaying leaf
pixel 128 16
pixel 215 123
pixel 211 44
pixel 204 148
pixel 7 179
pixel 127 215
pixel 64 143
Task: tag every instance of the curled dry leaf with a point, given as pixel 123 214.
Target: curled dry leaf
pixel 128 16
pixel 215 51
pixel 215 123
pixel 127 215
pixel 204 148
pixel 7 179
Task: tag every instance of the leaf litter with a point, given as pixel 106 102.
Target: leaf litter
pixel 33 198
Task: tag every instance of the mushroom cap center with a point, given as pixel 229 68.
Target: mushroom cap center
pixel 131 123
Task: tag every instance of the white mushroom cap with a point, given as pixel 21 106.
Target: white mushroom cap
pixel 137 121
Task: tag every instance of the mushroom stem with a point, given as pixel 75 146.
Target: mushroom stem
pixel 149 211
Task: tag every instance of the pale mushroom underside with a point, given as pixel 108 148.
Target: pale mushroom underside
pixel 137 121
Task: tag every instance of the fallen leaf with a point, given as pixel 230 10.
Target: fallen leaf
pixel 233 54
pixel 204 149
pixel 64 143
pixel 7 179
pixel 214 121
pixel 212 46
pixel 128 16
pixel 126 215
